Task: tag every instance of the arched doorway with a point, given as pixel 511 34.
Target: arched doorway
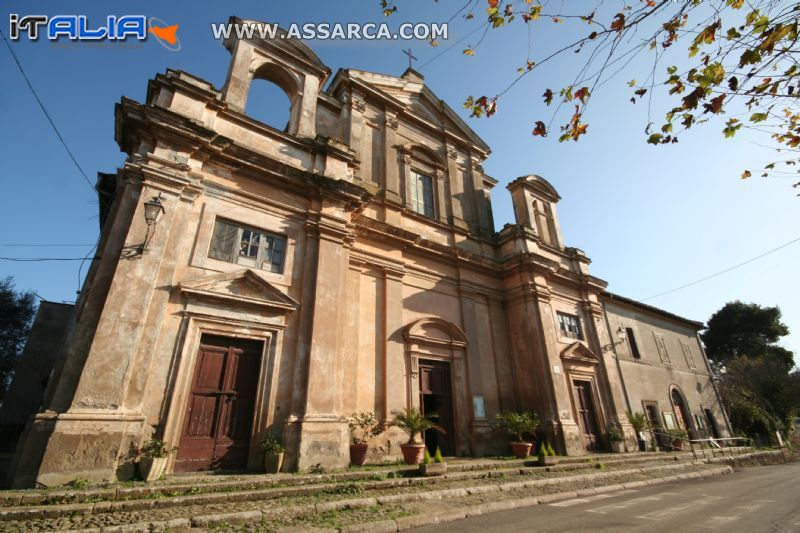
pixel 681 409
pixel 435 359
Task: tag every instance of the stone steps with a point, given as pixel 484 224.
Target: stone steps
pixel 289 484
pixel 306 499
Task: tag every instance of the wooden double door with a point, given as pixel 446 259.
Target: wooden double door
pixel 436 402
pixel 219 413
pixel 587 415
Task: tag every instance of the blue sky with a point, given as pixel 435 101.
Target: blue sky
pixel 651 218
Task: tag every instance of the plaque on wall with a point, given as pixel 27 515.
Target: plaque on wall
pixel 478 407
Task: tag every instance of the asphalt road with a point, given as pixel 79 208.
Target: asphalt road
pixel 753 500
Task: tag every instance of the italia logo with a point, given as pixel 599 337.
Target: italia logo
pixel 78 28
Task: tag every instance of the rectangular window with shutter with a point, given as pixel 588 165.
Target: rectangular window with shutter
pixel 687 353
pixel 247 246
pixel 661 345
pixel 422 194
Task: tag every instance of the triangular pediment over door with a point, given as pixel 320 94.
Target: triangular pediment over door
pixel 239 288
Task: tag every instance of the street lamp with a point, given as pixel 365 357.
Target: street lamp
pixel 152 210
pixel 620 335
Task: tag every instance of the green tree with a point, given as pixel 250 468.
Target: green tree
pixel 742 63
pixel 759 394
pixel 742 329
pixel 16 315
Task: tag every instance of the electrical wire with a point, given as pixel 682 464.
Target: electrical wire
pixel 14 245
pixel 722 271
pixel 44 110
pixel 38 259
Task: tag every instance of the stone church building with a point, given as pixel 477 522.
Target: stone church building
pixel 252 281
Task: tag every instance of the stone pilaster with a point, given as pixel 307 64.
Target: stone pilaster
pixel 456 186
pixel 392 171
pixel 323 433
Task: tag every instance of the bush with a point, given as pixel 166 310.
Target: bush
pixel 363 425
pixel 550 450
pixel 154 449
pixel 518 424
pixel 542 451
pixel 271 445
pixel 437 458
pixel 427 457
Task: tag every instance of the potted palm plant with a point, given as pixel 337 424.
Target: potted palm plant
pixel 518 425
pixel 616 438
pixel 638 421
pixel 413 423
pixel 273 454
pixel 363 425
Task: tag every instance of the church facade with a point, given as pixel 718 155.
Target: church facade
pixel 252 281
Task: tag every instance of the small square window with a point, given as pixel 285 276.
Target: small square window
pixel 247 246
pixel 570 326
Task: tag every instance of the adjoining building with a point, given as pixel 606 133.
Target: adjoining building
pixel 251 280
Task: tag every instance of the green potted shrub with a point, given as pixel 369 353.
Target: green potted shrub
pixel 518 425
pixel 638 422
pixel 675 437
pixel 546 455
pixel 273 454
pixel 433 467
pixel 151 458
pixel 413 423
pixel 615 438
pixel 363 425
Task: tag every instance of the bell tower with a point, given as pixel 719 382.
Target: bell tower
pixel 534 201
pixel 286 62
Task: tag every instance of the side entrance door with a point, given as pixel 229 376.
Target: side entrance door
pixel 586 414
pixel 219 413
pixel 435 400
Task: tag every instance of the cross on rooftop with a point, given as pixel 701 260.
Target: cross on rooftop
pixel 411 57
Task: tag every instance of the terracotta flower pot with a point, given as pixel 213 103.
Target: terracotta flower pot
pixel 358 453
pixel 521 449
pixel 618 446
pixel 413 453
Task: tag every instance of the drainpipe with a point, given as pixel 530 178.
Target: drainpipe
pixel 714 384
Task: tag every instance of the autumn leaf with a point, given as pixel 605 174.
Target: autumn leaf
pixel 493 3
pixel 632 83
pixel 618 23
pixel 469 52
pixel 715 105
pixel 548 97
pixel 540 129
pixel 746 174
pixel 581 94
